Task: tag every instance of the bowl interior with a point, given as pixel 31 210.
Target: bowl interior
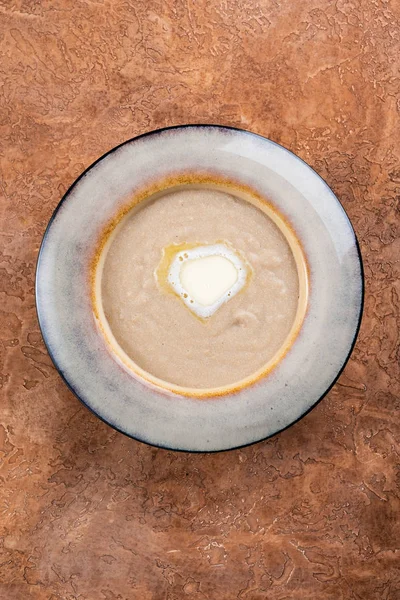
pixel 246 194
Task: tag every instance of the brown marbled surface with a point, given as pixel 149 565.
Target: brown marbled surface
pixel 88 514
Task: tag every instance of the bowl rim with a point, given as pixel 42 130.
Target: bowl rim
pixel 156 132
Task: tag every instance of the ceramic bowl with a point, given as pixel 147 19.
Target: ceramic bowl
pixel 141 408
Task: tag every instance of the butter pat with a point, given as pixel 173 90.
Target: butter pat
pixel 205 277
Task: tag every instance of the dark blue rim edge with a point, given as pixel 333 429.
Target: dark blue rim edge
pixel 158 132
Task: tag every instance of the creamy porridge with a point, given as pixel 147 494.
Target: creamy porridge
pixel 155 322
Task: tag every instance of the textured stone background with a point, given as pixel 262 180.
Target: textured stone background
pixel 87 514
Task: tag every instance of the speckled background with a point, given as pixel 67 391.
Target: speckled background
pixel 313 513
